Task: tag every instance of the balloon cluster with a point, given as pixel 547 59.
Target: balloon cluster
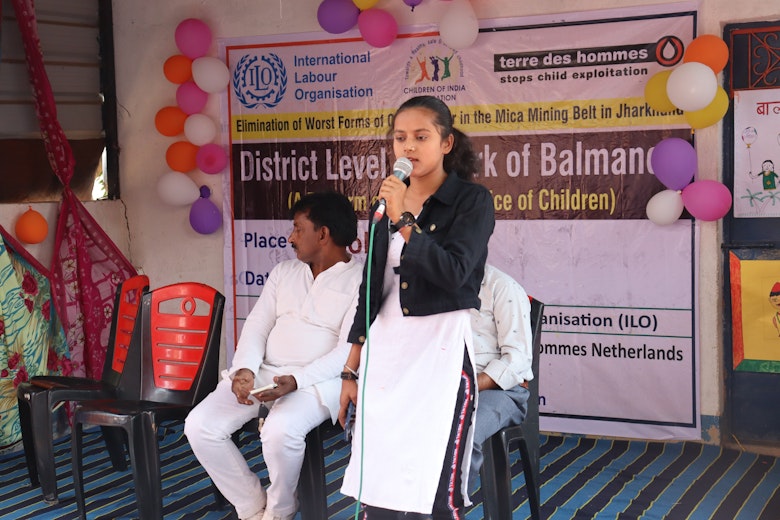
pixel 197 76
pixel 693 88
pixel 458 27
pixel 674 163
pixel 377 27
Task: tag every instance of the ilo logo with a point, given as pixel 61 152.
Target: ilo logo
pixel 260 80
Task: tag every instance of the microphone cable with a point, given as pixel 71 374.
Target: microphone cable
pixel 364 371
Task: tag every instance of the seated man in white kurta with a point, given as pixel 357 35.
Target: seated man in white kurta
pixel 294 336
pixel 503 349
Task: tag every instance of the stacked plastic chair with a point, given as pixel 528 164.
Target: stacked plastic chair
pixel 178 337
pixel 39 397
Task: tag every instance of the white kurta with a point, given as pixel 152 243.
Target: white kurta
pixel 299 326
pixel 503 345
pixel 410 371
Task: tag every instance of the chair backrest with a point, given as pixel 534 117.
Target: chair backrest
pixel 537 311
pixel 180 337
pixel 126 304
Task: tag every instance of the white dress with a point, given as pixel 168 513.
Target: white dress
pixel 410 371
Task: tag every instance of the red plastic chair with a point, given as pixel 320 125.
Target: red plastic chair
pixel 179 339
pixel 38 397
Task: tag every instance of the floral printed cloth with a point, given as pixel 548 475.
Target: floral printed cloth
pixel 32 339
pixel 86 271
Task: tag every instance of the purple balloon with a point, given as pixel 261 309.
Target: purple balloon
pixel 412 3
pixel 190 98
pixel 205 217
pixel 707 200
pixel 337 16
pixel 674 162
pixel 211 158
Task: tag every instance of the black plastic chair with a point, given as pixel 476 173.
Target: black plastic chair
pixel 496 472
pixel 178 335
pixel 312 494
pixel 39 397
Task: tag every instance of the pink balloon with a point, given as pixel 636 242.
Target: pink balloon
pixel 707 200
pixel 211 158
pixel 190 98
pixel 193 38
pixel 377 27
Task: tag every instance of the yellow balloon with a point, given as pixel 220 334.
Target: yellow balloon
pixel 655 92
pixel 710 114
pixel 364 4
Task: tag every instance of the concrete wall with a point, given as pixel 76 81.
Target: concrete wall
pixel 159 239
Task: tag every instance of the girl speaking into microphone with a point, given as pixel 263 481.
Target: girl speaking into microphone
pixel 410 370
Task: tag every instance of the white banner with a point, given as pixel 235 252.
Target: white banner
pixel 556 107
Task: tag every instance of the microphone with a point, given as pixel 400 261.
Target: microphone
pixel 402 168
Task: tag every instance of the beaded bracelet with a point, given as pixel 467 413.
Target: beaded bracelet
pixel 348 376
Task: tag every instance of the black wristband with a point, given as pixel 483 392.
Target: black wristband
pixel 406 219
pixel 348 376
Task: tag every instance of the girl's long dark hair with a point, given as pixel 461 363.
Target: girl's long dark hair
pixel 462 159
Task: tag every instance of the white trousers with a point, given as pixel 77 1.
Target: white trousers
pixel 211 423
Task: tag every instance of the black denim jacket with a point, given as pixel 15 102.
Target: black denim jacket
pixel 442 264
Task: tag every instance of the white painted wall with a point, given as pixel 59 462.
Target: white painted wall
pixel 159 239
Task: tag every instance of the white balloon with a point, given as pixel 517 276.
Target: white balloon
pixel 665 207
pixel 210 74
pixel 199 129
pixel 459 26
pixel 691 86
pixel 177 189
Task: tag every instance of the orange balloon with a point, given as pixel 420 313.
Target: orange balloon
pixel 709 50
pixel 178 69
pixel 181 156
pixel 31 227
pixel 170 121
